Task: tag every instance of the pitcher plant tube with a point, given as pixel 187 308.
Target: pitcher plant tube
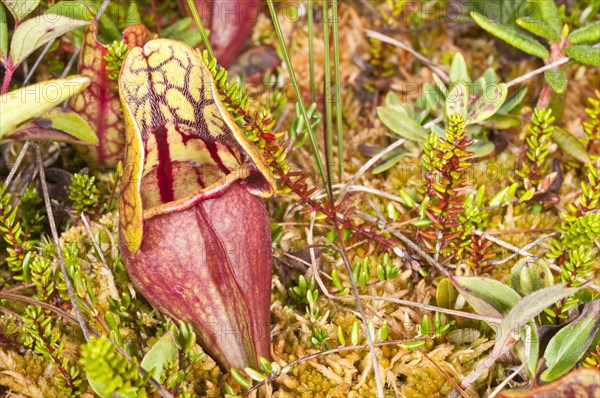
pixel 194 231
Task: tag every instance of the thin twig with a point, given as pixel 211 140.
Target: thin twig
pixel 506 381
pixel 519 231
pixel 543 69
pixel 378 382
pixel 17 163
pixel 318 194
pixel 481 367
pixel 102 9
pixel 488 319
pixel 61 260
pixel 445 374
pixel 526 247
pixel 537 71
pixel 11 313
pixel 71 62
pixel 33 301
pixel 317 273
pixel 67 69
pixel 29 75
pixel 38 61
pixel 88 227
pixel 386 39
pixel 526 253
pixel 433 122
pixel 422 253
pixel 18 287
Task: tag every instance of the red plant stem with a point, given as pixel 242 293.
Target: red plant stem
pixel 556 53
pixel 545 97
pixel 8 72
pixel 295 182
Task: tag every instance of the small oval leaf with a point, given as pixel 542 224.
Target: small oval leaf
pixel 35 32
pixel 446 294
pixel 487 296
pixel 159 354
pixel 570 144
pixel 557 79
pixel 457 100
pixel 492 97
pixel 398 121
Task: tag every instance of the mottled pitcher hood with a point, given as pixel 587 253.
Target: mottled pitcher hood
pixel 182 144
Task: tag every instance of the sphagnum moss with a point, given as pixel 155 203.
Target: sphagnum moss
pixel 347 373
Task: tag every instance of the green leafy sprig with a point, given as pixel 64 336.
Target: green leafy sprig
pixel 446 171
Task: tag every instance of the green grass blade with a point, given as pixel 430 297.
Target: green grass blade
pixel 201 29
pixel 290 68
pixel 338 89
pixel 328 96
pixel 311 51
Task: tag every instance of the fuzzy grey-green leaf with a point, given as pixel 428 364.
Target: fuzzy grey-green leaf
pixel 440 84
pixel 457 100
pixel 585 54
pixel 481 148
pixel 513 100
pixel 549 13
pixel 557 79
pixel 492 97
pixel 501 122
pixel 391 161
pixel 539 28
pixel 511 36
pixel 587 34
pixel 434 98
